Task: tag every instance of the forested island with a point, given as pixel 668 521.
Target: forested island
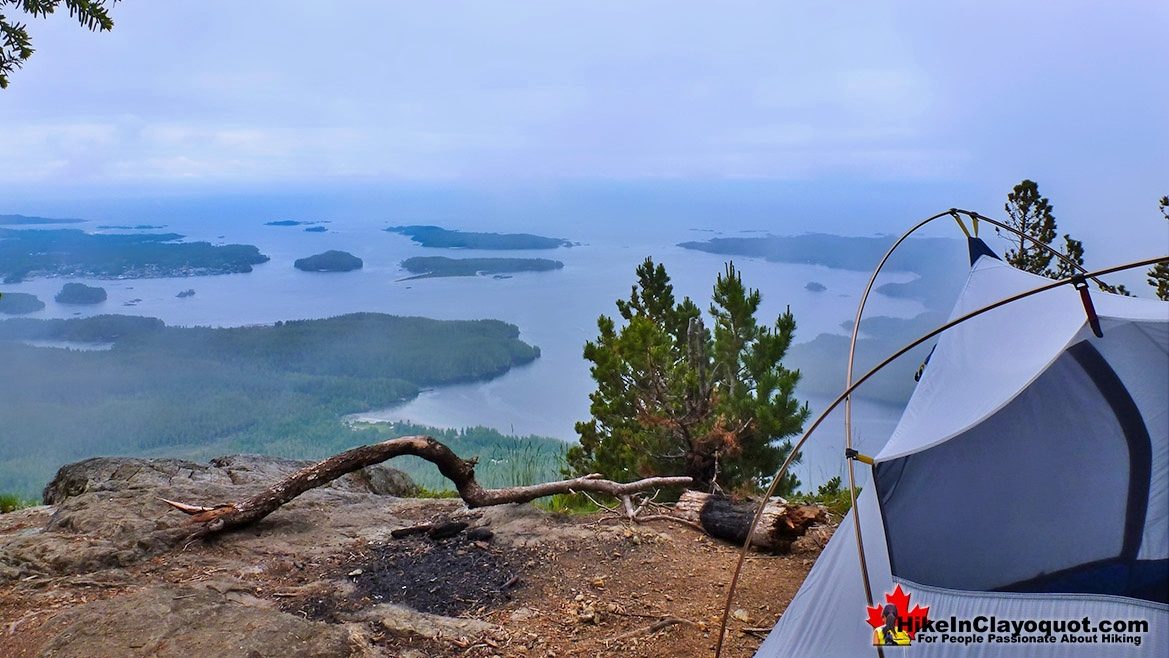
pixel 279 389
pixel 329 261
pixel 79 293
pixel 439 266
pixel 31 253
pixel 19 303
pixel 316 229
pixel 294 222
pixel 815 286
pixel 438 237
pixel 26 220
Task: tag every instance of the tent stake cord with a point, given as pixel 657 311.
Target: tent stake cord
pixel 856 324
pixel 864 378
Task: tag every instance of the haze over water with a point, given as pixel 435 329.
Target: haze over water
pixel 556 311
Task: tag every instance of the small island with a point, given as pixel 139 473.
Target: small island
pixel 19 303
pixel 294 222
pixel 139 227
pixel 329 261
pixel 315 229
pixel 79 293
pixel 438 237
pixel 815 286
pixel 424 267
pixel 186 293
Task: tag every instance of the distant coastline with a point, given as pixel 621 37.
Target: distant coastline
pixel 31 253
pixel 26 220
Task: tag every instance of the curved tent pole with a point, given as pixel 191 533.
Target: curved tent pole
pixel 868 375
pixel 856 324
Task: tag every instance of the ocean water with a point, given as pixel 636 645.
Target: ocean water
pixel 556 311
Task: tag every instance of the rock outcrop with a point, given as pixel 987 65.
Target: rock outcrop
pixel 107 512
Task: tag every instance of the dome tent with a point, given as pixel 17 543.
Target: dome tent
pixel 1027 480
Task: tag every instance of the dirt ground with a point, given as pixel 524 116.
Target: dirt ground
pixel 533 585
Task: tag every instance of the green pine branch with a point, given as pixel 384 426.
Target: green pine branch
pixel 15 42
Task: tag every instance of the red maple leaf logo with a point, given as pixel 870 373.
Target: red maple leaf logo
pixel 910 621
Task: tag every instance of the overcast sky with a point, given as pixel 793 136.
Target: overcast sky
pixel 979 94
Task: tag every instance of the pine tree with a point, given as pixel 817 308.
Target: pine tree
pixel 1033 215
pixel 1030 214
pixel 1159 273
pixel 15 43
pixel 674 397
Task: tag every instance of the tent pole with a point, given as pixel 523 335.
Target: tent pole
pixel 864 378
pixel 856 323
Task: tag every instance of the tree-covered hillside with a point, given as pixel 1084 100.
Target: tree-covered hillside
pixel 28 253
pixel 278 389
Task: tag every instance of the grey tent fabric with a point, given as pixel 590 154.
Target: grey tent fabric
pixel 1028 479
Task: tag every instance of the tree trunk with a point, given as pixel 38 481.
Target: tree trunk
pixel 780 525
pixel 701 468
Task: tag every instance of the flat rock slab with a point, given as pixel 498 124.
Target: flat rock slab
pixel 406 620
pixel 107 512
pixel 183 622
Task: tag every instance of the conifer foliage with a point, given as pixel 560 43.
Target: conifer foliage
pixel 1033 215
pixel 1159 273
pixel 15 43
pixel 674 397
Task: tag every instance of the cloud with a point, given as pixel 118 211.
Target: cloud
pixel 277 91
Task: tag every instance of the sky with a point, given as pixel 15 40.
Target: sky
pixel 965 96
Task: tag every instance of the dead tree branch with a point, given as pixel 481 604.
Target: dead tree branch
pixel 461 472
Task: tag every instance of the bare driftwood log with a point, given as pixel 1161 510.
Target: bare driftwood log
pixel 219 518
pixel 780 525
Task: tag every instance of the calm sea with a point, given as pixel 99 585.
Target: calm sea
pixel 555 310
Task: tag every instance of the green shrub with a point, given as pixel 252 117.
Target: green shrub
pixel 567 504
pixel 831 495
pixel 11 502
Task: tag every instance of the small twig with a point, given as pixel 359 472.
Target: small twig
pixel 627 505
pixel 651 629
pixel 398 533
pixel 611 510
pixel 646 500
pixel 756 631
pixel 669 517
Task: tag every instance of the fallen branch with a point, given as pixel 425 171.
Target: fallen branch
pixel 461 472
pixel 659 625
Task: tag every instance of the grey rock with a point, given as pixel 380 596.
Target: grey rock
pixel 122 473
pixel 188 621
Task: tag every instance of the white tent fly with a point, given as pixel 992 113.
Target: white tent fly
pixel 1025 485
